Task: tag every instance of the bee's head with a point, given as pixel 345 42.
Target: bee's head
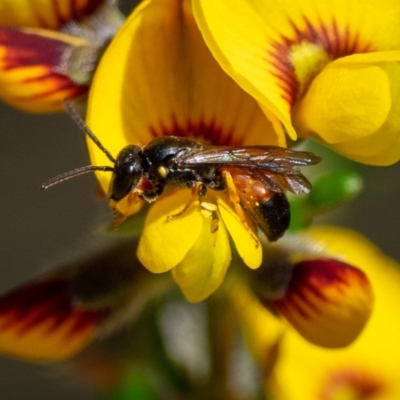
pixel 127 172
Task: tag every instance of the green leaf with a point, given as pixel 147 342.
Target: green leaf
pixel 332 190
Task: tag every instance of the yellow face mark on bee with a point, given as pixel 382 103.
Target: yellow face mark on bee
pixel 162 171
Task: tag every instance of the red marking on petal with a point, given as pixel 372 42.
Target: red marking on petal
pixel 45 302
pixel 327 301
pixel 61 85
pixel 36 58
pixel 314 277
pixel 334 40
pixel 77 11
pixel 363 384
pixel 25 49
pixel 209 131
pixel 84 321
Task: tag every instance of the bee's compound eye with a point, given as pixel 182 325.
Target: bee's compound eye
pixel 127 173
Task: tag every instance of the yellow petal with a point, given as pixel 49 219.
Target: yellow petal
pixel 373 358
pixel 382 147
pixel 358 120
pixel 49 14
pixel 279 48
pixel 246 61
pixel 344 104
pixel 203 269
pixel 30 60
pixel 248 248
pixel 172 87
pixel 327 301
pixel 164 244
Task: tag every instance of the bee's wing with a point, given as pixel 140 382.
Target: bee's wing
pixel 276 167
pixel 295 183
pixel 272 158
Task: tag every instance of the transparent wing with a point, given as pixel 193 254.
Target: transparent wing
pixel 295 183
pixel 276 167
pixel 272 158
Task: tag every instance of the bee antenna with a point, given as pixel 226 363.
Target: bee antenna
pixel 81 124
pixel 72 174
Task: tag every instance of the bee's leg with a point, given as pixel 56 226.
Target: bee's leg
pixel 119 218
pixel 133 197
pixel 235 200
pixel 198 192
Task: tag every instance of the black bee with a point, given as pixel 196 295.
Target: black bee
pixel 255 178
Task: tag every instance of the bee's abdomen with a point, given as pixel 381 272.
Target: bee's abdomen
pixel 274 216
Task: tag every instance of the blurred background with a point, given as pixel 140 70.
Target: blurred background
pixel 40 228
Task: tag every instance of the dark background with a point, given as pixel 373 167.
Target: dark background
pixel 40 227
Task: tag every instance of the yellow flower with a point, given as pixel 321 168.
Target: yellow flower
pixel 325 294
pixel 158 78
pixel 324 69
pixel 367 369
pixel 49 49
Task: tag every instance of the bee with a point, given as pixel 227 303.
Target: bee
pixel 256 178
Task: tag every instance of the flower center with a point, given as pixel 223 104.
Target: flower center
pixel 296 59
pixel 206 130
pixel 352 384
